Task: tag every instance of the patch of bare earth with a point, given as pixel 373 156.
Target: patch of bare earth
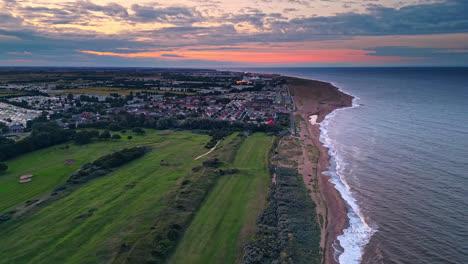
pixel 70 161
pixel 25 178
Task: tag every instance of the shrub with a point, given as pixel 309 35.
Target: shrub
pixel 105 135
pixel 3 167
pixel 116 136
pixel 82 137
pixel 138 130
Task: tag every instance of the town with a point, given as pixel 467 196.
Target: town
pixel 83 97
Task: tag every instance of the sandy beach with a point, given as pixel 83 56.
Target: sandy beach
pixel 314 101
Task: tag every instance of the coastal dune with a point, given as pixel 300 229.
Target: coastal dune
pixel 314 101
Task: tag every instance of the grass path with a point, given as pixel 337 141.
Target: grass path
pixel 211 150
pixel 228 217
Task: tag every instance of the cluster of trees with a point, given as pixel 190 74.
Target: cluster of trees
pixel 86 98
pixel 102 166
pixel 288 231
pixel 44 134
pixel 284 120
pixel 86 136
pixel 22 103
pixel 118 158
pixel 125 120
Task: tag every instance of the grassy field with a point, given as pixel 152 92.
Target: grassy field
pixel 111 90
pixel 4 93
pixel 50 169
pixel 90 225
pixel 102 219
pixel 228 218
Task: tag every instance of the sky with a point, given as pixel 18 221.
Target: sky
pixel 234 33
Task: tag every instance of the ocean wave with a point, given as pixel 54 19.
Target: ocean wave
pixel 358 234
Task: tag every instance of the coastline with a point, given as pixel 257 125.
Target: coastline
pixel 319 99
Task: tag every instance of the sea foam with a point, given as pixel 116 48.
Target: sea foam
pixel 358 234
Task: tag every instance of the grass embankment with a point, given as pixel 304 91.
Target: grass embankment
pixel 104 216
pixel 227 219
pixel 52 166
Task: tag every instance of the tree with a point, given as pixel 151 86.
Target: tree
pixel 138 130
pixel 3 167
pixel 129 137
pixel 93 133
pixel 82 138
pixel 116 136
pixel 113 126
pixel 71 126
pixel 105 135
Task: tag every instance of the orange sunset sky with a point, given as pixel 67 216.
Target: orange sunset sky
pixel 220 33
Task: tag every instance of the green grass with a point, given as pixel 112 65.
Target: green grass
pixel 49 168
pixel 128 203
pixel 5 93
pixel 228 218
pixel 120 214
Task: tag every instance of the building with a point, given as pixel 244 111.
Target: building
pixel 17 129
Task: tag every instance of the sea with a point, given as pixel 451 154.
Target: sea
pixel 399 158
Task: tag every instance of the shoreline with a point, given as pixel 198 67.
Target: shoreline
pixel 320 99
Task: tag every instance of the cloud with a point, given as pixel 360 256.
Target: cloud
pixel 172 55
pixel 111 9
pixel 61 29
pixel 175 15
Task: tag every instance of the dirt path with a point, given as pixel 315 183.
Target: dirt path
pixel 211 150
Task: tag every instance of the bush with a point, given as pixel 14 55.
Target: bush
pixel 138 130
pixel 214 163
pixel 116 136
pixel 82 138
pixel 114 127
pixel 105 135
pixel 3 167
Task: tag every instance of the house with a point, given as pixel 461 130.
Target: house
pixel 17 129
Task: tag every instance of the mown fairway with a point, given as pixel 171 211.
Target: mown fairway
pixel 123 204
pixel 228 218
pixel 50 169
